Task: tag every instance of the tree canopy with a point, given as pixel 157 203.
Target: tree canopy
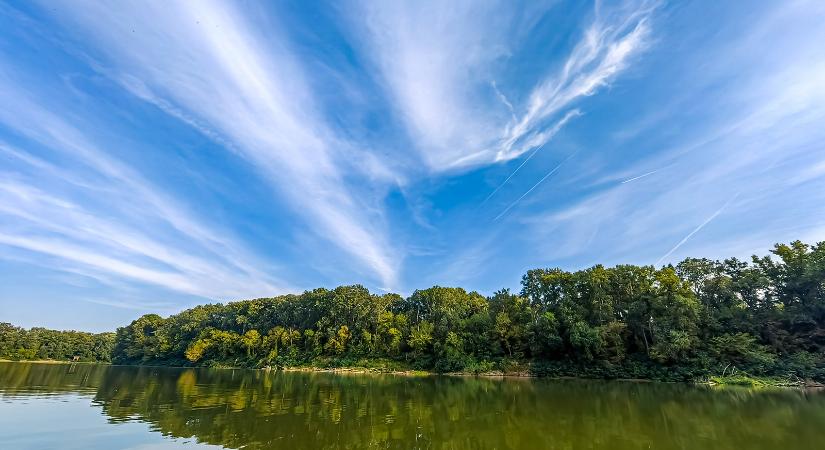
pixel 700 317
pixel 41 343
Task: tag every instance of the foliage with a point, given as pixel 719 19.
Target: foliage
pixel 41 343
pixel 699 319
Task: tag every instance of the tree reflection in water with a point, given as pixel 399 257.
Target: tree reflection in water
pixel 257 409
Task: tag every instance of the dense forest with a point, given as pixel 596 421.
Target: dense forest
pixel 41 343
pixel 697 319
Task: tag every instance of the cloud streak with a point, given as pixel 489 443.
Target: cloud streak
pixel 84 237
pixel 179 151
pixel 437 78
pixel 551 133
pixel 85 215
pixel 209 65
pixel 604 52
pixel 759 135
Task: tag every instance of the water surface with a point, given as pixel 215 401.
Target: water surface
pixel 79 406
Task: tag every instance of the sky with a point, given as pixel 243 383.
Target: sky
pixel 155 155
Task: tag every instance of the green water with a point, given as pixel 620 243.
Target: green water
pixel 51 406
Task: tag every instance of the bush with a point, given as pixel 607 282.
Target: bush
pixel 480 367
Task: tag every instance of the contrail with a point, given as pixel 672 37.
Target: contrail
pixel 514 172
pixel 640 176
pixel 551 133
pixel 697 229
pixel 535 186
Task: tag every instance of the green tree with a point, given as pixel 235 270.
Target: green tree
pixel 421 338
pixel 251 340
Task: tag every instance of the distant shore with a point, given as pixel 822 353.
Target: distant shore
pixel 717 322
pixel 721 381
pixel 54 361
pixel 744 381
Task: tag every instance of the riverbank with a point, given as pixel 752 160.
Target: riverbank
pixel 390 367
pixel 757 382
pixel 524 372
pixel 54 361
pixel 719 381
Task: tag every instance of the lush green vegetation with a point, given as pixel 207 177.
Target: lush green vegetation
pixel 40 343
pixel 698 319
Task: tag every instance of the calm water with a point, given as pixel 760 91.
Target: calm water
pixel 45 406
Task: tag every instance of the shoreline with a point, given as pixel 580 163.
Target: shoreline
pixel 752 382
pixel 713 381
pixel 54 361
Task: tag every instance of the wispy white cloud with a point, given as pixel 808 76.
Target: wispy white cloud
pixel 209 65
pixel 505 101
pixel 761 135
pixel 438 79
pixel 606 49
pixel 470 84
pixel 29 118
pixel 105 220
pixel 109 246
pixel 548 134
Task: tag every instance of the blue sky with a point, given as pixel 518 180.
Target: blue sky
pixel 158 155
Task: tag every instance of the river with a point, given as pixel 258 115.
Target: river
pixel 83 406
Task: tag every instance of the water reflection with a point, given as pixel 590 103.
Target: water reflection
pixel 258 410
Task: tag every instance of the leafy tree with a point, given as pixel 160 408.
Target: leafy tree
pixel 41 343
pixel 766 316
pixel 421 338
pixel 251 340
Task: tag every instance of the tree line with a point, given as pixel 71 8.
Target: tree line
pixel 699 318
pixel 40 343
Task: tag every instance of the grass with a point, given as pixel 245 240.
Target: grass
pixel 753 382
